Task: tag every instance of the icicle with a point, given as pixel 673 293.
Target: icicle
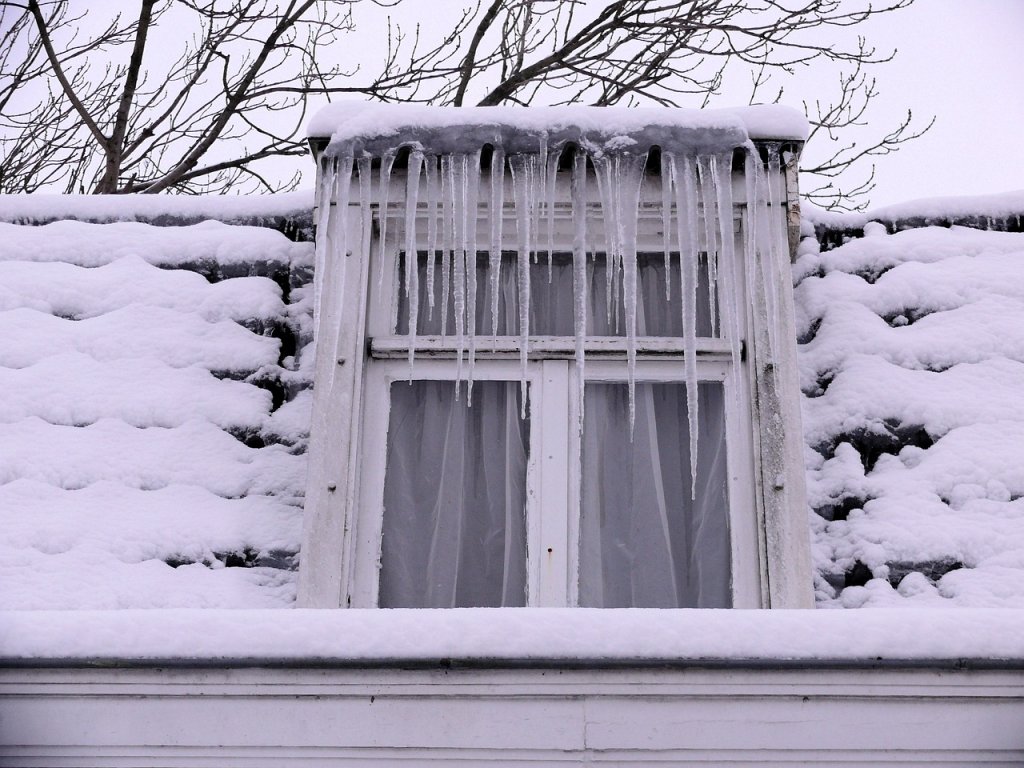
pixel 459 262
pixel 730 293
pixel 497 216
pixel 323 193
pixel 447 222
pixel 433 193
pixel 666 221
pixel 709 206
pixel 686 222
pixel 605 185
pixel 521 182
pixel 538 165
pixel 765 244
pixel 777 235
pixel 412 266
pixel 630 179
pixel 387 160
pixel 472 182
pixel 579 275
pixel 551 177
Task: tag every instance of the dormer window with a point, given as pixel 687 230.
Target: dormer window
pixel 544 359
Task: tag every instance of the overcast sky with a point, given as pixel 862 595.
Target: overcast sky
pixel 962 61
pixel 959 60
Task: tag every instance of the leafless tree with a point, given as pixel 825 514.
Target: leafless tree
pixel 236 93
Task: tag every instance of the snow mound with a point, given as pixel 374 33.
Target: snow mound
pixel 912 367
pixel 142 463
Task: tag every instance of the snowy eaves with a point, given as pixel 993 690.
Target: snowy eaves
pixel 358 127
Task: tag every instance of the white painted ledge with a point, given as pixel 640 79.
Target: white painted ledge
pixel 520 634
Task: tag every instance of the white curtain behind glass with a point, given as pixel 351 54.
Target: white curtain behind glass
pixel 454 530
pixel 454 497
pixel 551 302
pixel 644 542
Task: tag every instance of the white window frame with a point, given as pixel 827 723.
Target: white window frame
pixel 340 555
pixel 553 468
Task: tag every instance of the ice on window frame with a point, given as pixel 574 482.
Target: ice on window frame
pixel 695 188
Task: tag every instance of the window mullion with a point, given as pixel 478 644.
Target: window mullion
pixel 549 554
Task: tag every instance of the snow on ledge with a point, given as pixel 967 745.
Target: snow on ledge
pixel 376 125
pixel 576 635
pixel 37 208
pixel 993 206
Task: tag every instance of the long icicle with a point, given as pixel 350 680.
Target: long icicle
pixel 666 220
pixel 459 262
pixel 603 174
pixel 579 276
pixel 709 207
pixel 730 293
pixel 520 167
pixel 387 161
pixel 472 194
pixel 447 222
pixel 629 183
pixel 324 203
pixel 551 179
pixel 433 194
pixel 683 179
pixel 412 262
pixel 497 215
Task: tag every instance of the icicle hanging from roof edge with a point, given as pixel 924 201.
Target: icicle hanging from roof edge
pixel 709 208
pixel 631 177
pixel 578 193
pixel 520 166
pixel 447 234
pixel 497 213
pixel 666 220
pixel 684 182
pixel 550 181
pixel 387 161
pixel 323 210
pixel 433 202
pixel 472 214
pixel 602 171
pixel 412 267
pixel 777 231
pixel 729 281
pixel 459 258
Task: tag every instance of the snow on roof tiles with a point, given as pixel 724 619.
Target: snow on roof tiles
pixel 141 464
pixel 912 365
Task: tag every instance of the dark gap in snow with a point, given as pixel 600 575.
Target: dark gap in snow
pixel 870 275
pixel 858 575
pixel 821 385
pixel 932 570
pixel 873 441
pixel 908 316
pixel 250 436
pixel 247 557
pixel 809 333
pixel 841 508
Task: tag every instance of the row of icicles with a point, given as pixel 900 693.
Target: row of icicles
pixel 446 190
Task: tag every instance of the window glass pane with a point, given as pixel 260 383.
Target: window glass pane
pixel 643 541
pixel 551 301
pixel 454 530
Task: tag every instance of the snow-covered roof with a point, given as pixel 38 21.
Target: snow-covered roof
pixel 152 441
pixel 154 415
pixel 912 365
pixel 375 128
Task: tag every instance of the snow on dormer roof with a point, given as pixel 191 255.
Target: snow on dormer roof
pixel 359 127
